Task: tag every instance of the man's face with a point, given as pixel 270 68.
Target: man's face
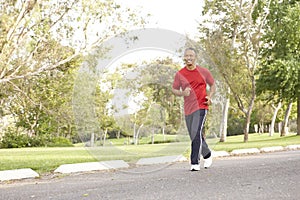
pixel 189 57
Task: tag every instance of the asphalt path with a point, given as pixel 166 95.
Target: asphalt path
pixel 261 176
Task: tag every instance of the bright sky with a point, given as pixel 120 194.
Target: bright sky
pixel 180 16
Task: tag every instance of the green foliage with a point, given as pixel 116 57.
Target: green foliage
pixel 59 142
pixel 41 43
pixel 235 126
pixel 32 32
pixel 91 105
pixel 283 36
pixel 231 37
pixel 164 141
pixel 46 106
pixel 280 78
pixel 154 81
pixel 280 72
pixel 12 139
pixel 170 130
pixel 262 113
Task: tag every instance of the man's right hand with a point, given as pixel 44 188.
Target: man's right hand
pixel 186 92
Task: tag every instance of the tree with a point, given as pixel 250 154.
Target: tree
pixel 30 30
pixel 155 119
pixel 158 88
pixel 41 39
pixel 262 115
pixel 233 43
pixel 106 122
pixel 280 72
pixel 153 81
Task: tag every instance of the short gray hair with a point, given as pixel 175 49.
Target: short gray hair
pixel 191 49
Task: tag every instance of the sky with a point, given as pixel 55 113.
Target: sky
pixel 180 16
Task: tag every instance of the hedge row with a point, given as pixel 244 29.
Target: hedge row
pixel 13 140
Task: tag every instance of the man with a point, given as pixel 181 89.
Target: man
pixel 190 82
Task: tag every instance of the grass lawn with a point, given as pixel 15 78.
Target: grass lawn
pixel 48 159
pixel 256 141
pixel 42 159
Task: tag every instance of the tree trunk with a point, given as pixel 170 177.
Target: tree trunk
pixel 118 134
pixel 134 133
pixel 162 114
pixel 261 127
pixel 279 127
pixel 224 121
pixel 69 130
pixel 92 139
pixel 246 130
pixel 152 137
pixel 271 132
pixel 284 129
pixel 104 137
pixel 136 141
pixel 163 132
pixel 256 128
pixel 248 116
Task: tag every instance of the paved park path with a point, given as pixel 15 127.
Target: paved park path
pixel 261 176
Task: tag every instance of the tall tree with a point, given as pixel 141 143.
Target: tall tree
pixel 31 28
pixel 39 38
pixel 280 72
pixel 44 104
pixel 232 29
pixel 153 81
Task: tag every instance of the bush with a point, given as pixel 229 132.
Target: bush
pixel 60 142
pixel 164 141
pixel 235 126
pixel 11 140
pixel 170 130
pixel 39 141
pixel 18 140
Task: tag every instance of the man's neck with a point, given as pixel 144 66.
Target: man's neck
pixel 191 67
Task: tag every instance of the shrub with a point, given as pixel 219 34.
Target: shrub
pixel 11 139
pixel 170 130
pixel 164 141
pixel 60 142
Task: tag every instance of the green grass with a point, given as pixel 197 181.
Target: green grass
pixel 44 160
pixel 148 139
pixel 256 141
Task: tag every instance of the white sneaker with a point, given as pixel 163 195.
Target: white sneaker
pixel 207 162
pixel 195 167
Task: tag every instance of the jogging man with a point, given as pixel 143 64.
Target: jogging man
pixel 190 82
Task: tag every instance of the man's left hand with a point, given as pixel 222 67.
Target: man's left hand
pixel 208 100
